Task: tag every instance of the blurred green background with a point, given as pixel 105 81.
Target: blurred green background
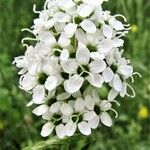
pixel 19 128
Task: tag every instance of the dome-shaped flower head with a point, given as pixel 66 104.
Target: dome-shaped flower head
pixel 77 51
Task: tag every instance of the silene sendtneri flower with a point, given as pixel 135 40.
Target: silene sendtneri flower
pixel 78 48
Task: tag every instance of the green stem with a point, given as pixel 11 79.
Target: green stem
pixel 66 146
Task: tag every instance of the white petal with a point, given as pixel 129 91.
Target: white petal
pixel 107 31
pixel 94 122
pixel 118 42
pixel 96 56
pixel 85 10
pixel 81 36
pixel 106 46
pixel 49 24
pixel 27 82
pixel 63 96
pixel 66 4
pixel 38 94
pixel 89 115
pixel 112 94
pixel 79 105
pixel 125 70
pixel 105 119
pixel 32 69
pixel 59 27
pixel 84 128
pixel 51 83
pixel 48 67
pixel 64 41
pixel 93 2
pixel 69 66
pixel 83 55
pixel 108 75
pixel 54 108
pixel 118 26
pixel 66 109
pixel 46 37
pixel 61 17
pixel 73 84
pixel 77 94
pixel 117 83
pixel 96 80
pixel 64 55
pixel 30 104
pixel 60 131
pixel 124 90
pixel 97 66
pixel 105 105
pixel 40 110
pixel 47 116
pixel 70 128
pixel 70 29
pixel 47 129
pixel 88 26
pixel 89 102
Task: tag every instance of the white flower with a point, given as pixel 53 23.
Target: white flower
pixel 45 78
pixel 81 68
pixel 91 41
pixel 54 118
pixel 100 108
pixel 86 24
pixel 77 119
pixel 117 25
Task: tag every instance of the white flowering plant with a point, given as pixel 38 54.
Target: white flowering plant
pixel 78 52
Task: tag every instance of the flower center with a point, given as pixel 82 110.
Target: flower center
pixel 97 109
pixel 51 101
pixel 77 20
pixel 76 118
pixel 114 68
pixel 91 48
pixel 42 78
pixel 65 75
pixel 84 69
pixel 56 118
pixel 57 36
pixel 56 50
pixel 78 2
pixel 72 55
pixel 106 22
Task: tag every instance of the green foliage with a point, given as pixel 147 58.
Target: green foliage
pixel 19 128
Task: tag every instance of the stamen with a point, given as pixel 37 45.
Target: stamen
pixel 137 73
pixel 25 45
pixel 132 79
pixel 133 92
pixel 114 112
pixel 123 34
pixel 73 117
pixel 34 10
pixel 45 5
pixel 126 25
pixel 115 102
pixel 119 15
pixel 28 39
pixel 26 29
pixel 127 29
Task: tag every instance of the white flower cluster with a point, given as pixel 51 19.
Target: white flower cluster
pixel 78 51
